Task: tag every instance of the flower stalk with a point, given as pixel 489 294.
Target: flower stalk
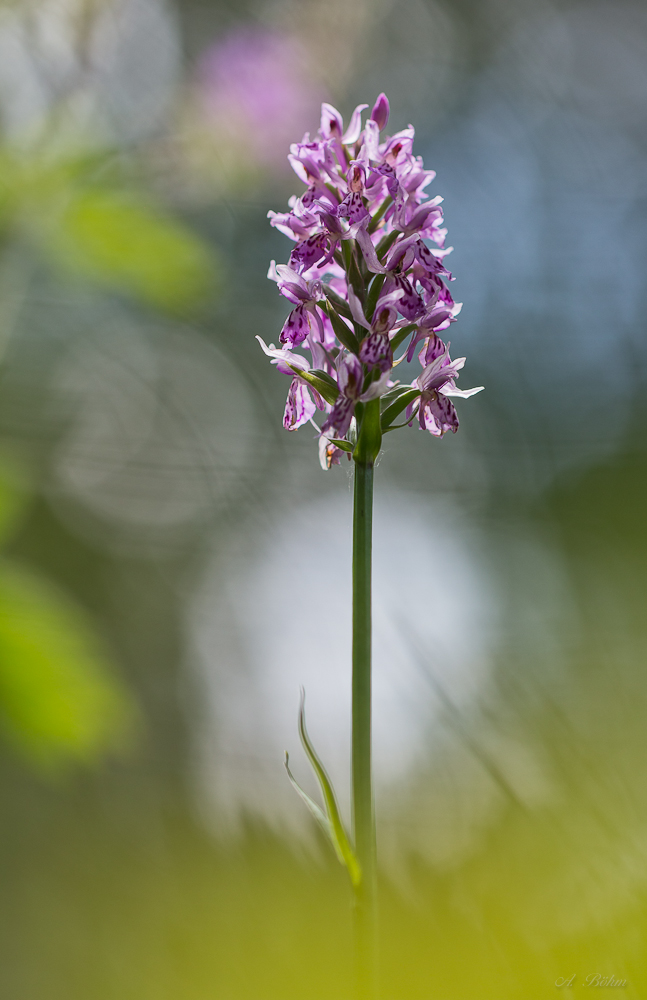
pixel 363 807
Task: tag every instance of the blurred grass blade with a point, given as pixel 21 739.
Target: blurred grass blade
pixel 338 835
pixel 312 806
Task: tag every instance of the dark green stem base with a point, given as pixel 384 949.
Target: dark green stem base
pixel 363 807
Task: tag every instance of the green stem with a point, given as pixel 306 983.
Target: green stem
pixel 363 807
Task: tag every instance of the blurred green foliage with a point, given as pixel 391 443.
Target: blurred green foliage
pixel 89 221
pixel 114 239
pixel 60 701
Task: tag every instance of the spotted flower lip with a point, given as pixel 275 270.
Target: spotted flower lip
pixel 366 273
pixel 436 412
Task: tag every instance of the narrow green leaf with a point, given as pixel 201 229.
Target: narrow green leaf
pixel 340 840
pixel 325 377
pixel 343 445
pixel 329 393
pixel 405 423
pixel 347 254
pixel 356 276
pixel 373 295
pixel 392 394
pixel 381 212
pixel 396 408
pixel 340 304
pixel 343 334
pixel 386 243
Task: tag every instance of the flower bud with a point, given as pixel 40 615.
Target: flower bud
pixel 380 112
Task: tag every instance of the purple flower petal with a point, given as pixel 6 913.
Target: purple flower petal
pixel 283 356
pixel 309 251
pixel 296 327
pixel 441 371
pixel 375 351
pixel 332 123
pixel 353 208
pixel 437 415
pixel 350 375
pixel 340 417
pixel 434 348
pixel 386 311
pixel 360 233
pixel 370 146
pixel 399 146
pixel 388 172
pixel 432 260
pixel 410 305
pixel 356 309
pixel 351 135
pixel 299 408
pixel 399 250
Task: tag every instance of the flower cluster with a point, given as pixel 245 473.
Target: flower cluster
pixel 363 280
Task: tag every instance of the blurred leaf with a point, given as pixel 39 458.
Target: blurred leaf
pixel 79 209
pixel 58 700
pixel 13 497
pixel 112 238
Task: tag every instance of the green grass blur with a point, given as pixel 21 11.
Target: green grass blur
pixel 112 888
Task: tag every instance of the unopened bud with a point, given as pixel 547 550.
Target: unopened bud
pixel 380 112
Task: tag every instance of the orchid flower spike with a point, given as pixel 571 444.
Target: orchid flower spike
pixel 366 274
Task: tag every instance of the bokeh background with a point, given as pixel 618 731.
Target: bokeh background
pixel 175 566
